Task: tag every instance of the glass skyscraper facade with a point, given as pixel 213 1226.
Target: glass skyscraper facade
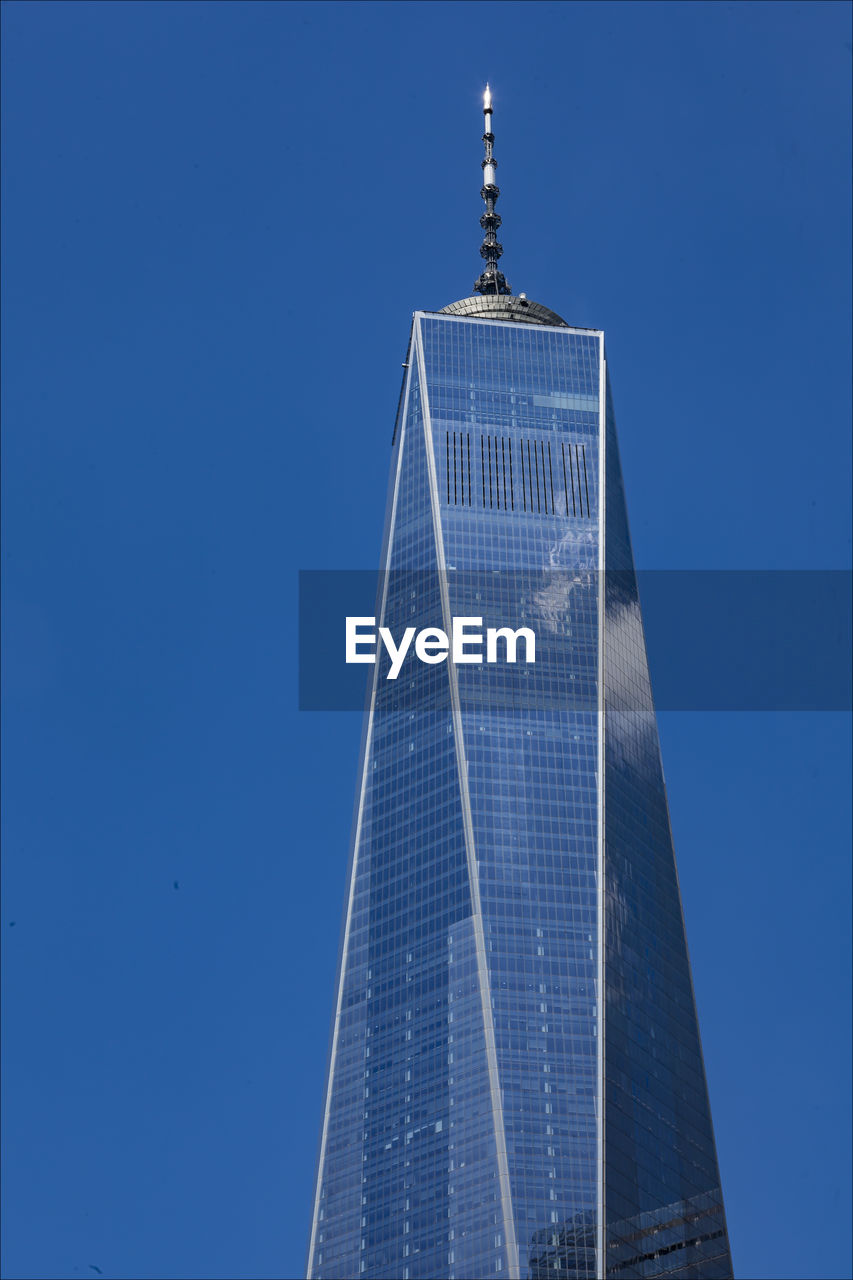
pixel 515 1085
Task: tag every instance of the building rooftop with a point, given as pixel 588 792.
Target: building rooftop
pixel 497 306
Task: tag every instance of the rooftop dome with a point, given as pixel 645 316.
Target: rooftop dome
pixel 497 306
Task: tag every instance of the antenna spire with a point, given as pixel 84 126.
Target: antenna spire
pixel 491 280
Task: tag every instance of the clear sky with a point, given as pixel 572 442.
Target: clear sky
pixel 218 220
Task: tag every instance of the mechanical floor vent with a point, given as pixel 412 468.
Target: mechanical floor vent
pixel 547 477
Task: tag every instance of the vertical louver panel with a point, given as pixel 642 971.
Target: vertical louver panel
pixel 543 477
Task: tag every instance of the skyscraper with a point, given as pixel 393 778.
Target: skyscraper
pixel 516 1084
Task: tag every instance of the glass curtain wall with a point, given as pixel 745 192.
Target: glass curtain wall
pixel 513 933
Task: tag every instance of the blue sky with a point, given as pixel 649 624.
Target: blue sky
pixel 218 220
